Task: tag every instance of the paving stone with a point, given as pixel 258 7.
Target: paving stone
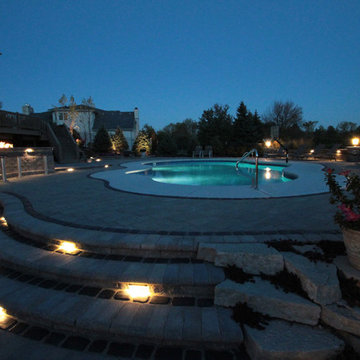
pixel 343 264
pixel 19 328
pixel 76 343
pixel 193 355
pixel 251 258
pixel 98 346
pixel 210 325
pixel 122 295
pixel 265 298
pixel 205 302
pixel 183 301
pixel 230 330
pixel 107 294
pixel 89 291
pixel 155 327
pixel 218 355
pixel 166 353
pixel 36 333
pixel 192 325
pixel 342 317
pixel 283 340
pixel 144 351
pixel 160 300
pixel 55 338
pixel 174 323
pixel 319 279
pixel 121 349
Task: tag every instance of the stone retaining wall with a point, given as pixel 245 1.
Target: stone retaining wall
pixel 32 162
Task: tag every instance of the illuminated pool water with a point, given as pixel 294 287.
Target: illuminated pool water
pixel 213 173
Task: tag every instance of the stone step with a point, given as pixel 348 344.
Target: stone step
pixel 319 280
pixel 251 258
pixel 104 241
pixel 263 297
pixel 171 278
pixel 13 347
pixel 131 321
pixel 342 317
pixel 281 340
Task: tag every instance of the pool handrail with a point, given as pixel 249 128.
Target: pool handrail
pixel 252 151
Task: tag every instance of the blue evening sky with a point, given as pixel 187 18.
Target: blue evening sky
pixel 173 59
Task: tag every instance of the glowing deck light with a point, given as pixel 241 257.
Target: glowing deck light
pixel 70 169
pixel 98 160
pixel 5 145
pixel 106 166
pixel 268 143
pixel 68 247
pixel 3 314
pixel 355 141
pixel 29 150
pixel 3 221
pixel 138 291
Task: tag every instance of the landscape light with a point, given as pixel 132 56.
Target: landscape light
pixel 29 150
pixel 312 151
pixel 268 143
pixel 355 141
pixel 68 247
pixel 98 160
pixel 138 291
pixel 3 314
pixel 106 166
pixel 70 169
pixel 5 145
pixel 3 221
pixel 338 152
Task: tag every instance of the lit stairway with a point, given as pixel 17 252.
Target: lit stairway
pixel 84 298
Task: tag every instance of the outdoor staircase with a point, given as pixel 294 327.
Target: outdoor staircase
pixel 82 299
pixel 69 150
pixel 79 301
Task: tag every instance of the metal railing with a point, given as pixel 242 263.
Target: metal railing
pixel 247 154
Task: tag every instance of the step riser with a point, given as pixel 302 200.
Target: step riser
pixel 158 289
pixel 106 250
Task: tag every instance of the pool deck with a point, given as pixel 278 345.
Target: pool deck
pixel 164 242
pixel 75 198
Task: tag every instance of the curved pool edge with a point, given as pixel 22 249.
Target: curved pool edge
pixel 309 181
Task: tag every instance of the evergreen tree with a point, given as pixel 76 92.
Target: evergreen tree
pixel 142 142
pixel 102 141
pixel 119 142
pixel 247 129
pixel 215 127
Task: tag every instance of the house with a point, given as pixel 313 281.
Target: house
pixel 87 120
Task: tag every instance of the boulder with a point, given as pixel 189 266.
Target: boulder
pixel 282 340
pixel 263 297
pixel 319 280
pixel 251 258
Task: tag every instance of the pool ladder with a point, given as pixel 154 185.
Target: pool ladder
pixel 247 154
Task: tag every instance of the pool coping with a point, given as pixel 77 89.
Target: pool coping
pixel 307 178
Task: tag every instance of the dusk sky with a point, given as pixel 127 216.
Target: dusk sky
pixel 173 59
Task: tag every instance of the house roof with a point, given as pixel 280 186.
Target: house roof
pixel 114 119
pixel 110 119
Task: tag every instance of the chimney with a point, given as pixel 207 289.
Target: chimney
pixel 136 117
pixel 27 109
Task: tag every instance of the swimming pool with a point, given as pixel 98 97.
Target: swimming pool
pixel 207 173
pixel 306 179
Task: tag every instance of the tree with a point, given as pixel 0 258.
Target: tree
pixel 151 134
pixel 309 126
pixel 72 114
pixel 166 144
pixel 102 141
pixel 247 128
pixel 1 104
pixel 142 143
pixel 89 102
pixel 215 127
pixel 119 142
pixel 284 114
